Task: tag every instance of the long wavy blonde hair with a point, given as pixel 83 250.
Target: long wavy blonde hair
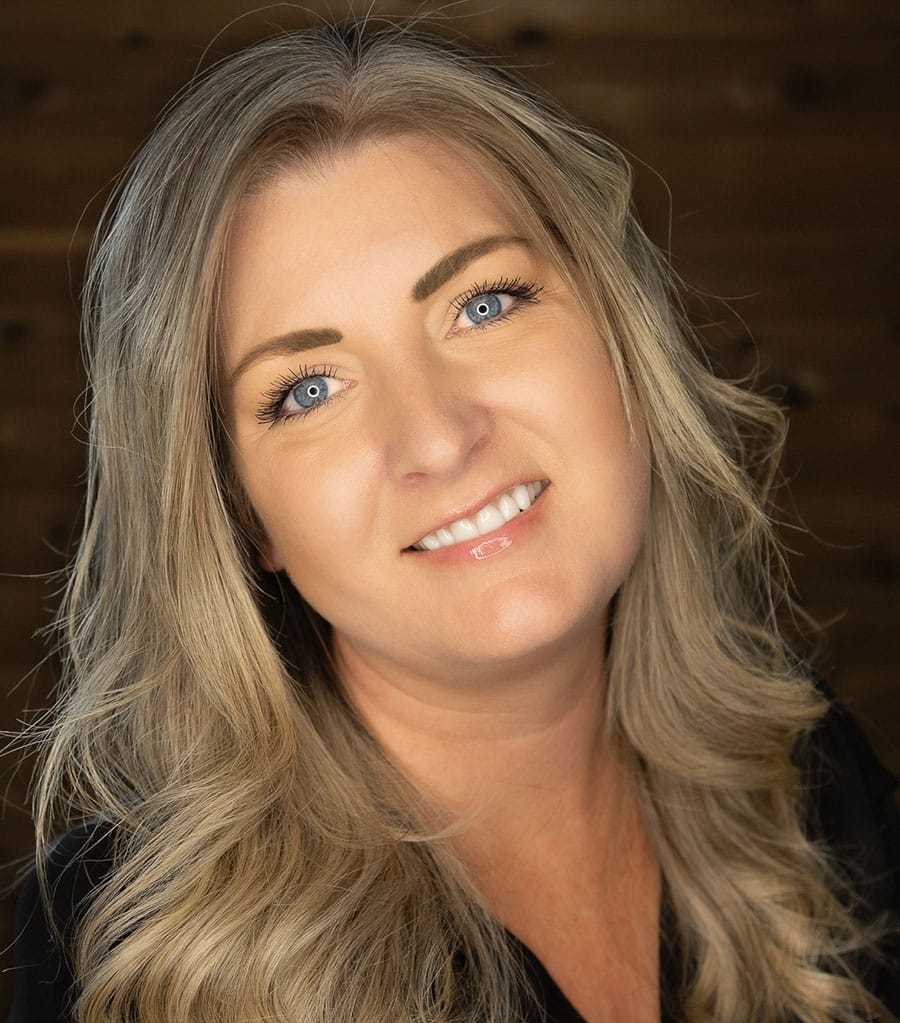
pixel 269 862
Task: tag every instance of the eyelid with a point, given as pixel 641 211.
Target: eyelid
pixel 271 407
pixel 525 291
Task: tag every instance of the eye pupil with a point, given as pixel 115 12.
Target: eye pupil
pixel 483 307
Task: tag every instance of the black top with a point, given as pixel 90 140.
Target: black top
pixel 851 807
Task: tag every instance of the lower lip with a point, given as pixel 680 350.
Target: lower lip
pixel 492 545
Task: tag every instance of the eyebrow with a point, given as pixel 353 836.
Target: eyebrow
pixel 443 271
pixel 447 268
pixel 287 344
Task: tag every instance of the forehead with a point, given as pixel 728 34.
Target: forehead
pixel 377 217
pixel 383 185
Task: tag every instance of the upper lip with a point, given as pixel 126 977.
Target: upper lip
pixel 465 511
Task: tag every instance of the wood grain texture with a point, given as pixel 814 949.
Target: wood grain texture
pixel 766 147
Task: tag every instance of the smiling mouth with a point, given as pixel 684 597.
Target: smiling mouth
pixel 491 516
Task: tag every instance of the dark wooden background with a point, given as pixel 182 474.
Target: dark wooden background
pixel 766 143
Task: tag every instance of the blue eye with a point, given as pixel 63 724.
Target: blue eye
pixel 492 302
pixel 483 307
pixel 309 392
pixel 298 394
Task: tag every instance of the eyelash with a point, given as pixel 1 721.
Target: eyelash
pixel 270 409
pixel 526 291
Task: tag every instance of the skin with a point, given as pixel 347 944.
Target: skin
pixel 483 678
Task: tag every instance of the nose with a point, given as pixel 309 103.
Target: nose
pixel 435 420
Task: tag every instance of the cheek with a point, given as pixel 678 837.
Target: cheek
pixel 610 460
pixel 317 515
pixel 575 393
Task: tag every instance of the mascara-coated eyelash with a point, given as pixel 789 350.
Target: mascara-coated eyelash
pixel 271 408
pixel 525 291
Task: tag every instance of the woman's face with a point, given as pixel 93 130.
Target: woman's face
pixel 403 365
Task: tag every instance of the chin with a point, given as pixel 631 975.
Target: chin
pixel 517 627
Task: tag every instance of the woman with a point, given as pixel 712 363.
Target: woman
pixel 422 643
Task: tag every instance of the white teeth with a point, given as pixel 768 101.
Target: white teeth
pixel 492 516
pixel 489 518
pixel 463 529
pixel 507 507
pixel 522 496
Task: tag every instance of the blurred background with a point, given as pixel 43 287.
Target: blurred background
pixel 764 136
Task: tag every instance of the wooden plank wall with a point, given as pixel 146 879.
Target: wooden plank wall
pixel 774 125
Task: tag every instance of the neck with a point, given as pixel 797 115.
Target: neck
pixel 538 808
pixel 521 757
